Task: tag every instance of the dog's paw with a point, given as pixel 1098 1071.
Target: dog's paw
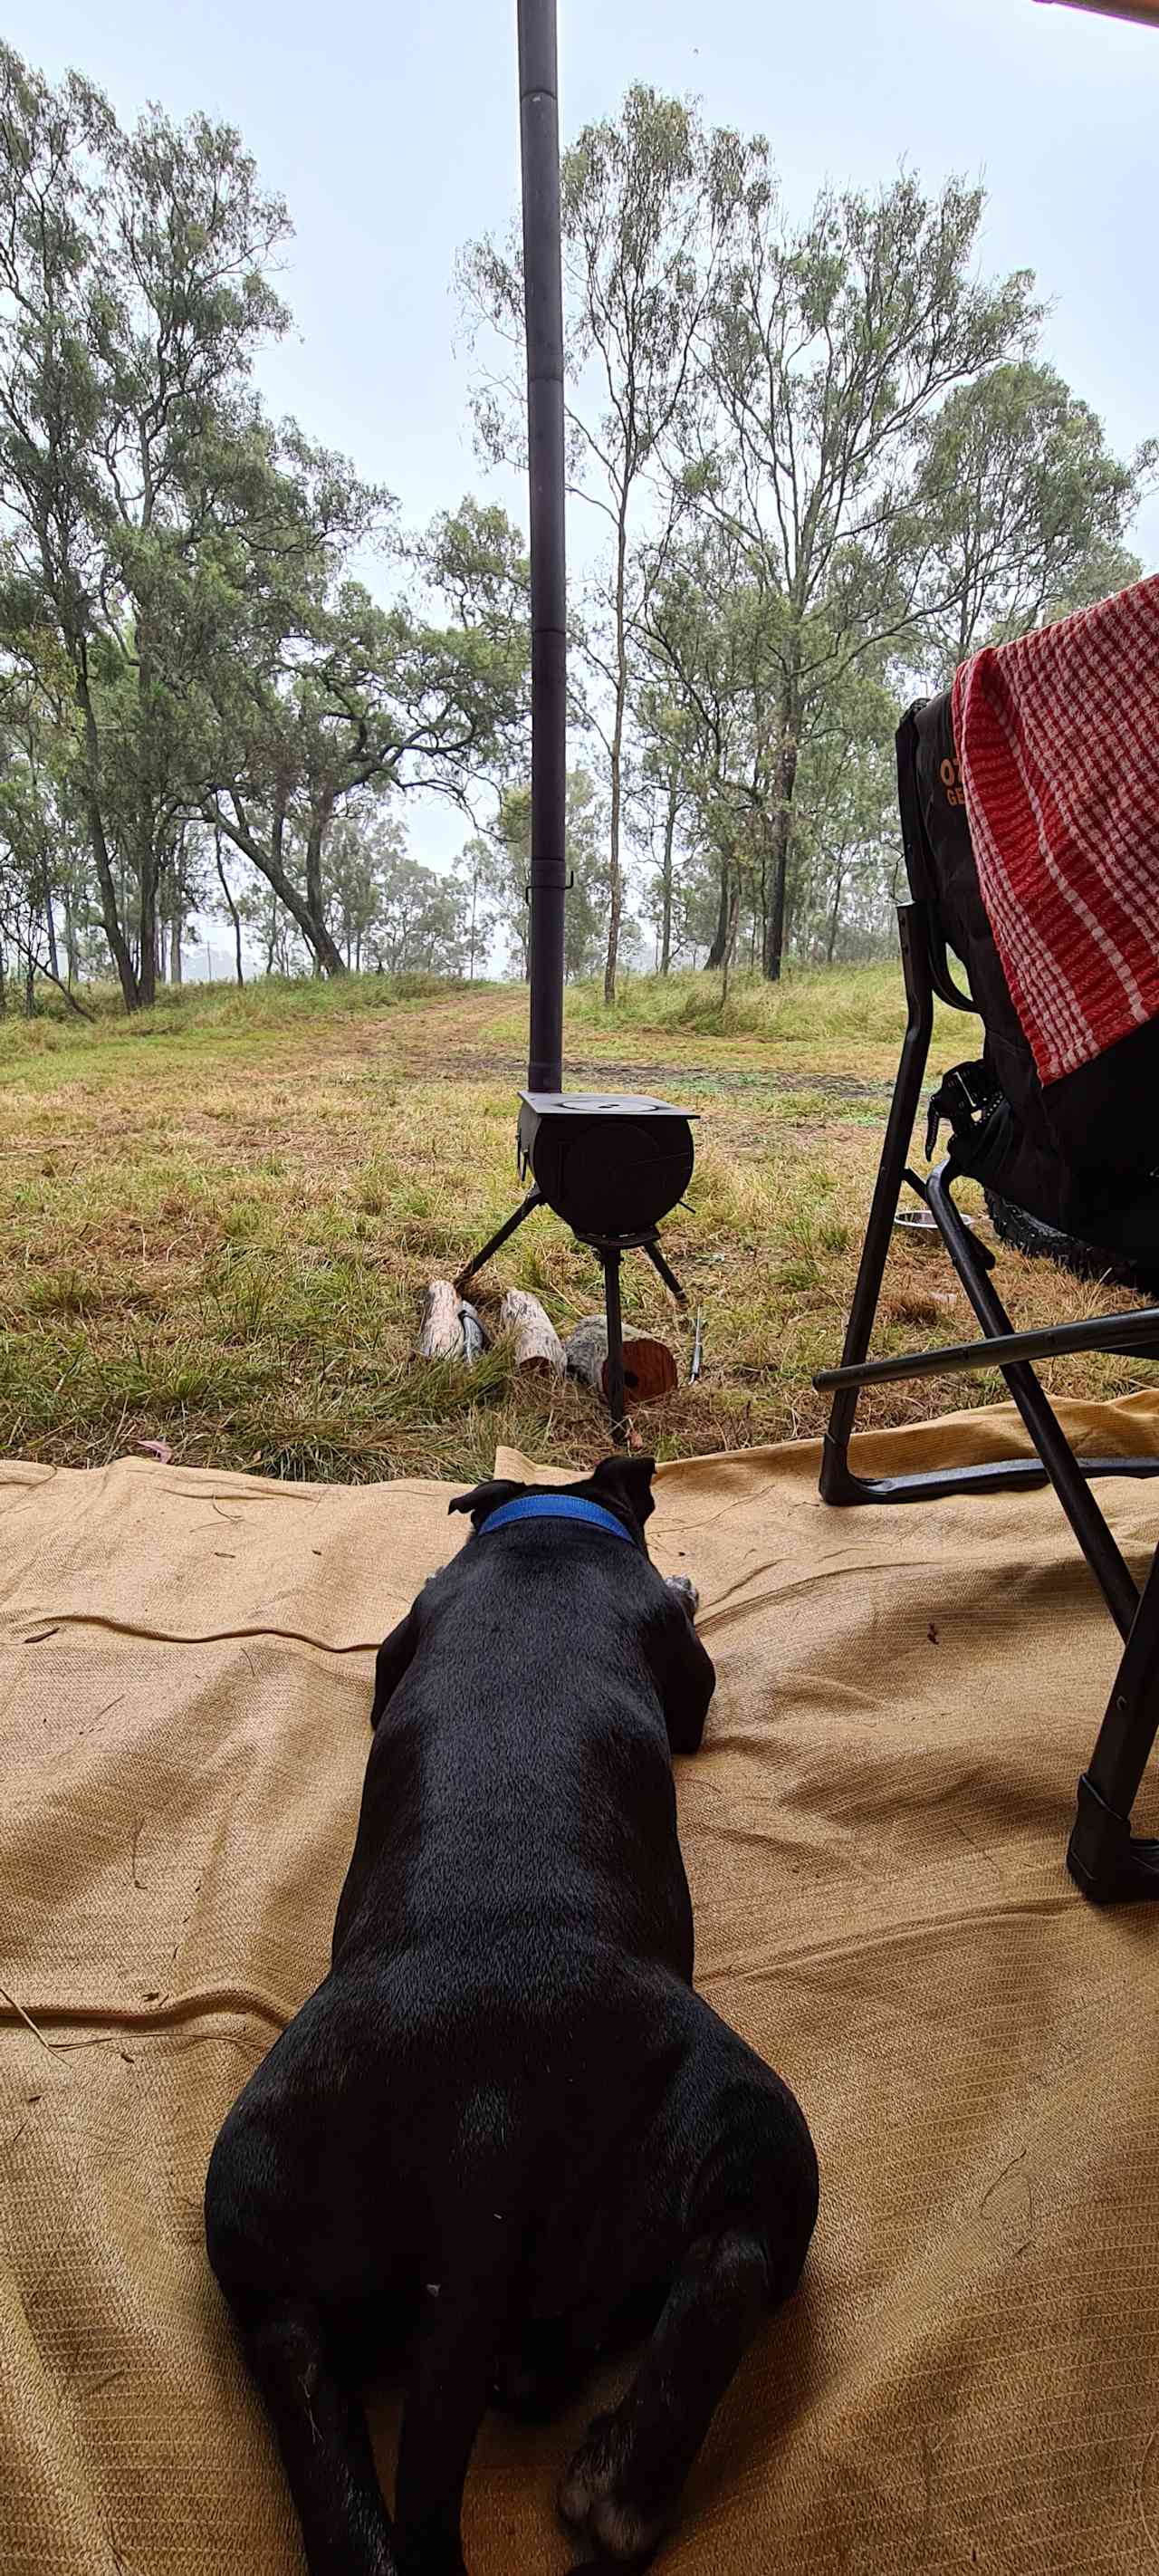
pixel 623 2533
pixel 685 1589
pixel 591 2474
pixel 592 2497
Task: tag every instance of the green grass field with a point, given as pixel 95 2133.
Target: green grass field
pixel 219 1220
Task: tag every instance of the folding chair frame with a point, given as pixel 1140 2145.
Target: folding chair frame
pixel 1107 1862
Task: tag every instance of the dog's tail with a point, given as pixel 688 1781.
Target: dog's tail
pixel 462 2325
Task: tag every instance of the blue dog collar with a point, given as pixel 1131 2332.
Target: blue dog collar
pixel 556 1507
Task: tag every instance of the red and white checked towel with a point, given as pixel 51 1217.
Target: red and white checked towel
pixel 1057 738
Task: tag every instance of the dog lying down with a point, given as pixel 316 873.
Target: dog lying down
pixel 505 2137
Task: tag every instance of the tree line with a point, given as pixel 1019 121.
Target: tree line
pixel 822 459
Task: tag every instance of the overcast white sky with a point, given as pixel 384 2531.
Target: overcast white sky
pixel 392 133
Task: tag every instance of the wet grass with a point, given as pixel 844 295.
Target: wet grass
pixel 217 1224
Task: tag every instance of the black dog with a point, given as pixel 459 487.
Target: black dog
pixel 505 2135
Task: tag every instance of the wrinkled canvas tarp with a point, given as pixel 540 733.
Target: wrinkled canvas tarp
pixel 874 1831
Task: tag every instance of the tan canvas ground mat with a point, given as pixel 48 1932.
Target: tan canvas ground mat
pixel 969 2379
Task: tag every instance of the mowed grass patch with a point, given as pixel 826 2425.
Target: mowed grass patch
pixel 217 1230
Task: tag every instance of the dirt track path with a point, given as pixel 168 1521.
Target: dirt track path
pixel 482 1036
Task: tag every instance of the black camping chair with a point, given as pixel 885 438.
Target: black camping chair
pixel 1034 1152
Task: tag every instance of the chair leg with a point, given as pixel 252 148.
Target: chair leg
pixel 1066 1472
pixel 1105 1859
pixel 837 1484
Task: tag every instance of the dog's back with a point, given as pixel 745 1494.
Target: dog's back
pixel 519 1793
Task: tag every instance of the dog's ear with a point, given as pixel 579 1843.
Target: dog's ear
pixel 486 1498
pixel 629 1481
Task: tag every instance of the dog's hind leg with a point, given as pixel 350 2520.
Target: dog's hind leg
pixel 322 2436
pixel 749 2218
pixel 624 2483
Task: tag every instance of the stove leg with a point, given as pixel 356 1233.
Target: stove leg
pixel 616 1399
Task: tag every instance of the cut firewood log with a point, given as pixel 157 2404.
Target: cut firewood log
pixel 586 1352
pixel 537 1344
pixel 441 1330
pixel 650 1368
